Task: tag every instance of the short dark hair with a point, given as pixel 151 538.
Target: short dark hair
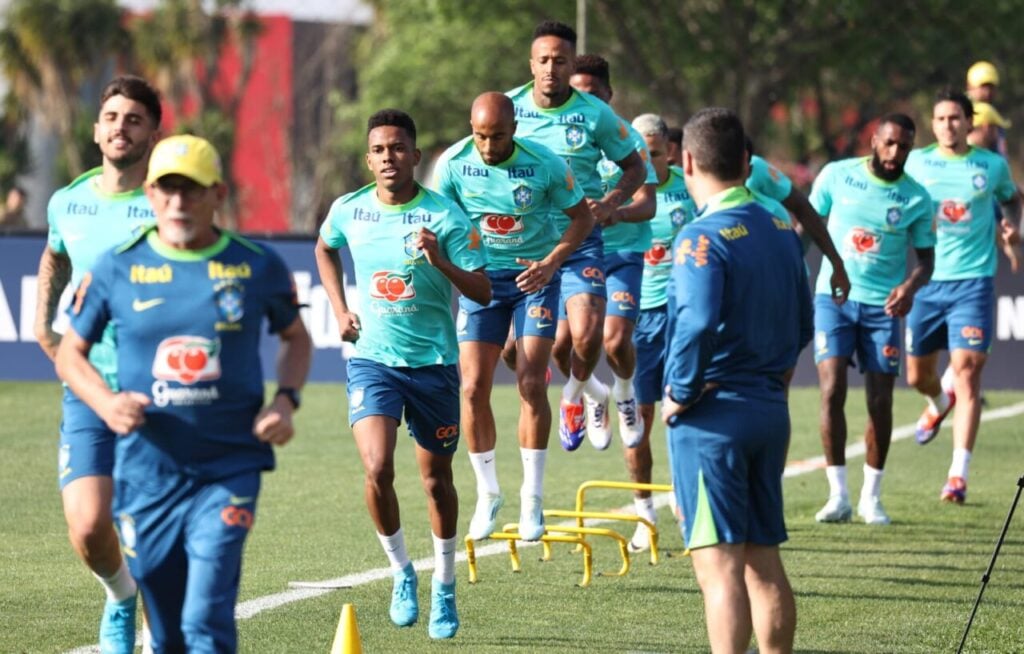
pixel 949 94
pixel 675 135
pixel 392 118
pixel 595 66
pixel 555 28
pixel 137 89
pixel 902 120
pixel 715 139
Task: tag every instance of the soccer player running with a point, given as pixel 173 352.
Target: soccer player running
pixel 581 129
pixel 767 180
pixel 725 400
pixel 675 209
pixel 876 212
pixel 100 209
pixel 627 235
pixel 955 310
pixel 409 246
pixel 188 302
pixel 511 189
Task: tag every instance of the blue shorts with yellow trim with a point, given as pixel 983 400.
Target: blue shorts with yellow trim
pixel 855 327
pixel 530 314
pixel 727 454
pixel 429 397
pixel 86 443
pixel 624 273
pixel 955 315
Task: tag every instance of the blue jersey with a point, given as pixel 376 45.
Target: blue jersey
pixel 964 190
pixel 874 222
pixel 84 223
pixel 514 204
pixel 188 328
pixel 627 237
pixel 404 303
pixel 742 308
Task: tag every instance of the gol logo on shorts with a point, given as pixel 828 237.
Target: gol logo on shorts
pixel 623 296
pixel 590 272
pixel 537 311
pixel 234 516
pixel 446 432
pixel 890 351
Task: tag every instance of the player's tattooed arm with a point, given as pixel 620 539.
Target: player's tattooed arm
pixel 53 277
pixel 328 264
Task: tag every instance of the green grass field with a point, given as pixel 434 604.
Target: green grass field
pixel 908 587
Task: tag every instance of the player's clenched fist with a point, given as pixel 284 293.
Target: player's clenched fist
pixel 125 412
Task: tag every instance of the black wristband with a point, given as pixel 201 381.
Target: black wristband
pixel 292 395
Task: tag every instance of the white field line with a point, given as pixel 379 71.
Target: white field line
pixel 307 590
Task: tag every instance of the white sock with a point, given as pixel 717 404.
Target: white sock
pixel 120 585
pixel 645 507
pixel 948 381
pixel 961 459
pixel 573 388
pixel 394 547
pixel 872 482
pixel 836 476
pixel 486 471
pixel 622 389
pixel 939 403
pixel 594 388
pixel 444 558
pixel 533 472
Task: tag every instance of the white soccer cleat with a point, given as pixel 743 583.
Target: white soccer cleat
pixel 485 517
pixel 531 518
pixel 641 540
pixel 870 509
pixel 837 509
pixel 631 423
pixel 599 432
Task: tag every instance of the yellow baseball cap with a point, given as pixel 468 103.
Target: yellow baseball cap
pixel 986 114
pixel 982 72
pixel 186 155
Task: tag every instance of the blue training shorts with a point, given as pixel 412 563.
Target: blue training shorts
pixel 183 539
pixel 429 397
pixel 955 315
pixel 86 443
pixel 582 272
pixel 624 272
pixel 855 327
pixel 531 315
pixel 649 339
pixel 727 454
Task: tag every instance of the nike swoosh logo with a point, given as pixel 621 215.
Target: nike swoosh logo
pixel 234 499
pixel 542 325
pixel 145 305
pixel 448 443
pixel 471 194
pixel 489 460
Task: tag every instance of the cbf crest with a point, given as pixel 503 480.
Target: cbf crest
pixel 522 196
pixel 893 215
pixel 230 297
pixel 979 182
pixel 409 244
pixel 678 217
pixel 575 137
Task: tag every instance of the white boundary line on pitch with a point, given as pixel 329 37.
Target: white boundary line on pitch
pixel 309 590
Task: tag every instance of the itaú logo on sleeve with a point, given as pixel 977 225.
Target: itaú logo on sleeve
pixel 187 359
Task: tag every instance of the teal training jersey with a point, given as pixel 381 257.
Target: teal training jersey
pixel 964 191
pixel 513 204
pixel 627 237
pixel 85 223
pixel 579 131
pixel 675 209
pixel 768 180
pixel 404 302
pixel 873 222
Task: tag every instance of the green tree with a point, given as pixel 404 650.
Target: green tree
pixel 49 50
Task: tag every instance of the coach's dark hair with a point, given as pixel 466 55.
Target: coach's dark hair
pixel 896 118
pixel 715 139
pixel 595 66
pixel 554 28
pixel 675 135
pixel 949 94
pixel 137 89
pixel 392 118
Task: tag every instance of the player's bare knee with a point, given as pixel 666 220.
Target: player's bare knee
pixel 380 474
pixel 532 388
pixel 476 392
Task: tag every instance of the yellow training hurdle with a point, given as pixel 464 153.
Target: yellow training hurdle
pixel 513 552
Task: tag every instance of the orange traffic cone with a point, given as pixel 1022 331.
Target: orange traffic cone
pixel 346 640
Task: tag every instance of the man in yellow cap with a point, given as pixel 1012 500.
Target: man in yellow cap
pixel 188 301
pixel 982 84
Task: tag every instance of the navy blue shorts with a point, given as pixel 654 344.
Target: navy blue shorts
pixel 429 397
pixel 727 454
pixel 531 314
pixel 649 338
pixel 86 443
pixel 952 315
pixel 855 327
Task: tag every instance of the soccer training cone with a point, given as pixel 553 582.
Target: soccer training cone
pixel 347 641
